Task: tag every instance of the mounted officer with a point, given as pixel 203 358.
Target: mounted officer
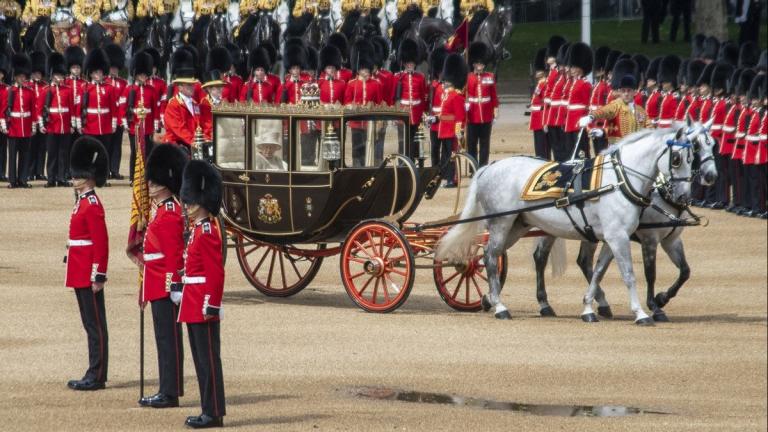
pixel 475 12
pixel 87 12
pixel 305 10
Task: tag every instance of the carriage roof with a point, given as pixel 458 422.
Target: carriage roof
pixel 307 110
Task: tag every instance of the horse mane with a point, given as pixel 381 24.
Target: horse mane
pixel 633 138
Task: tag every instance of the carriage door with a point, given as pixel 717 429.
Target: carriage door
pixel 230 158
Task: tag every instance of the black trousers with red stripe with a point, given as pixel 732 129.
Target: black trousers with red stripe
pixel 170 347
pixel 94 317
pixel 206 352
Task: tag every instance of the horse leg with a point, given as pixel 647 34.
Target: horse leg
pixel 603 260
pixel 501 236
pixel 620 246
pixel 540 258
pixel 676 252
pixel 649 266
pixel 585 261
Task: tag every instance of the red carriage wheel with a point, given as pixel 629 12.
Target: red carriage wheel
pixel 274 270
pixel 461 285
pixel 377 266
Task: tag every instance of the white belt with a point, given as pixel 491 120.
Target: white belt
pixel 410 102
pixel 558 103
pixel 190 280
pixel 437 110
pixel 717 127
pixel 740 135
pixel 763 136
pixel 79 242
pixel 479 100
pixel 753 138
pixel 24 114
pixel 535 107
pixel 576 107
pixel 665 121
pixel 593 107
pixel 729 128
pixel 547 100
pixel 58 110
pixel 153 256
pixel 97 110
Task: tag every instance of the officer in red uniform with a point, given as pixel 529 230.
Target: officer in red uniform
pixel 385 77
pixel 340 41
pixel 75 56
pixel 755 203
pixel 203 280
pixel 272 78
pixel 536 122
pixel 553 120
pixel 96 116
pixel 258 89
pixel 116 57
pixel 699 109
pixel 331 87
pixel 182 114
pixel 739 174
pixel 739 84
pixel 88 256
pixel 553 76
pixel 5 66
pixel 436 62
pixel 158 83
pixel 162 260
pixel 715 111
pixel 141 94
pixel 16 120
pixel 214 86
pixel 234 81
pixel 294 59
pixel 482 103
pixel 37 142
pixel 410 90
pixel 220 59
pixel 54 119
pixel 452 113
pixel 650 96
pixel 668 72
pixel 688 89
pixel 600 92
pixel 580 66
pixel 362 90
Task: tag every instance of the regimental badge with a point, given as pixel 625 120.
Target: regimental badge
pixel 308 206
pixel 548 180
pixel 269 210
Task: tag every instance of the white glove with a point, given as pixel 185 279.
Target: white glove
pixel 3 127
pixel 114 123
pixel 124 122
pixel 596 133
pixel 585 121
pixel 88 21
pixel 157 126
pixel 176 297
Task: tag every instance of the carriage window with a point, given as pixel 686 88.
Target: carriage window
pixel 312 143
pixel 269 145
pixel 368 141
pixel 230 142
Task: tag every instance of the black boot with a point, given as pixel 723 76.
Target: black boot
pixel 204 421
pixel 159 401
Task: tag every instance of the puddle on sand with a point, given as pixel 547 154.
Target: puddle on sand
pixel 388 394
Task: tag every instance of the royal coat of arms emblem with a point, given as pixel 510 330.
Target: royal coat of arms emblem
pixel 269 210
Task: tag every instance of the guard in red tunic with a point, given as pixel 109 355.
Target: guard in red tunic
pixel 16 120
pixel 220 59
pixel 755 202
pixel 5 67
pixel 762 158
pixel 116 57
pixel 37 143
pixel 340 41
pixel 436 62
pixel 214 86
pixel 203 280
pixel 580 66
pixel 331 87
pixel 715 111
pixel 482 103
pixel 157 82
pixel 600 92
pixel 669 70
pixel 362 90
pixel 141 94
pixel 688 88
pixel 97 114
pixel 385 77
pixel 553 76
pixel 258 90
pixel 536 122
pixel 75 56
pixel 652 98
pixel 741 200
pixel 452 113
pixel 162 260
pixel 294 59
pixel 182 114
pixel 410 90
pixel 553 120
pixel 699 110
pixel 88 256
pixel 272 78
pixel 54 119
pixel 739 84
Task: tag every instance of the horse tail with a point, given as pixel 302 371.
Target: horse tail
pixel 456 244
pixel 558 258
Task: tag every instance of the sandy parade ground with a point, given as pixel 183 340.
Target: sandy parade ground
pixel 301 363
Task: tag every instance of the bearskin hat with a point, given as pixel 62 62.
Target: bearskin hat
pixel 669 69
pixel 21 64
pixel 55 64
pixel 733 81
pixel 89 160
pixel 762 64
pixel 142 63
pixel 455 70
pixel 74 56
pixel 218 58
pixel 362 55
pixel 695 67
pixel 540 60
pixel 745 81
pixel 182 65
pixel 553 45
pixel 382 49
pixel 749 54
pixel 156 60
pixel 611 59
pixel 729 53
pixel 601 55
pixel 96 60
pixel 479 52
pixel 643 63
pixel 5 64
pixel 580 56
pixel 235 54
pixel 652 71
pixel 562 54
pixel 624 74
pixel 270 50
pixel 294 55
pixel 711 48
pixel 165 166
pixel 437 60
pixel 38 62
pixel 313 59
pixel 116 56
pixel 409 52
pixel 682 73
pixel 697 45
pixel 340 41
pixel 201 185
pixel 706 74
pixel 259 58
pixel 720 76
pixel 757 89
pixel 330 56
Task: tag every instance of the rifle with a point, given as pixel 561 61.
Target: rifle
pixel 129 112
pixel 84 109
pixel 47 107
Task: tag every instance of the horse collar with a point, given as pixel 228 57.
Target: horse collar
pixel 625 186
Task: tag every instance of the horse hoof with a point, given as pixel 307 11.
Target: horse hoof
pixel 503 315
pixel 590 318
pixel 645 322
pixel 660 317
pixel 661 299
pixel 485 303
pixel 547 312
pixel 605 312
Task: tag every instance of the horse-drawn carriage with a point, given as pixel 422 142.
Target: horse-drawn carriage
pixel 305 182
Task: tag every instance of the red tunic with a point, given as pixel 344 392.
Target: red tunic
pixel 258 92
pixel 752 139
pixel 578 104
pixel 142 95
pixel 180 122
pixel 561 110
pixel 274 80
pixel 59 109
pixel 762 155
pixel 727 143
pixel 718 112
pixel 119 84
pixel 88 245
pixel 19 117
pixel 290 91
pixel 197 93
pixel 331 90
pixel 163 251
pixel 694 108
pixel 682 108
pixel 101 111
pixel 549 88
pixel 705 110
pixel 203 275
pixel 669 104
pixel 387 80
pixel 77 85
pixel 481 97
pixel 345 74
pixel 362 92
pixel 437 103
pixel 452 114
pixel 411 88
pixel 206 118
pixel 231 92
pixel 161 90
pixel 653 106
pixel 537 106
pixel 742 124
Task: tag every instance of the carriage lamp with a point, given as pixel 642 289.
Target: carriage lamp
pixel 331 147
pixel 197 144
pixel 420 139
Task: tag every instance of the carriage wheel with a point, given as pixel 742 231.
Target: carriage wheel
pixel 377 266
pixel 274 271
pixel 460 285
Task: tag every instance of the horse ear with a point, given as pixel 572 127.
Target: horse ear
pixel 688 121
pixel 680 133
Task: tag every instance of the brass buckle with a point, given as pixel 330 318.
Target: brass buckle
pixel 562 202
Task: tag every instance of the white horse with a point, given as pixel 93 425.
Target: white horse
pixel 496 189
pixel 660 224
